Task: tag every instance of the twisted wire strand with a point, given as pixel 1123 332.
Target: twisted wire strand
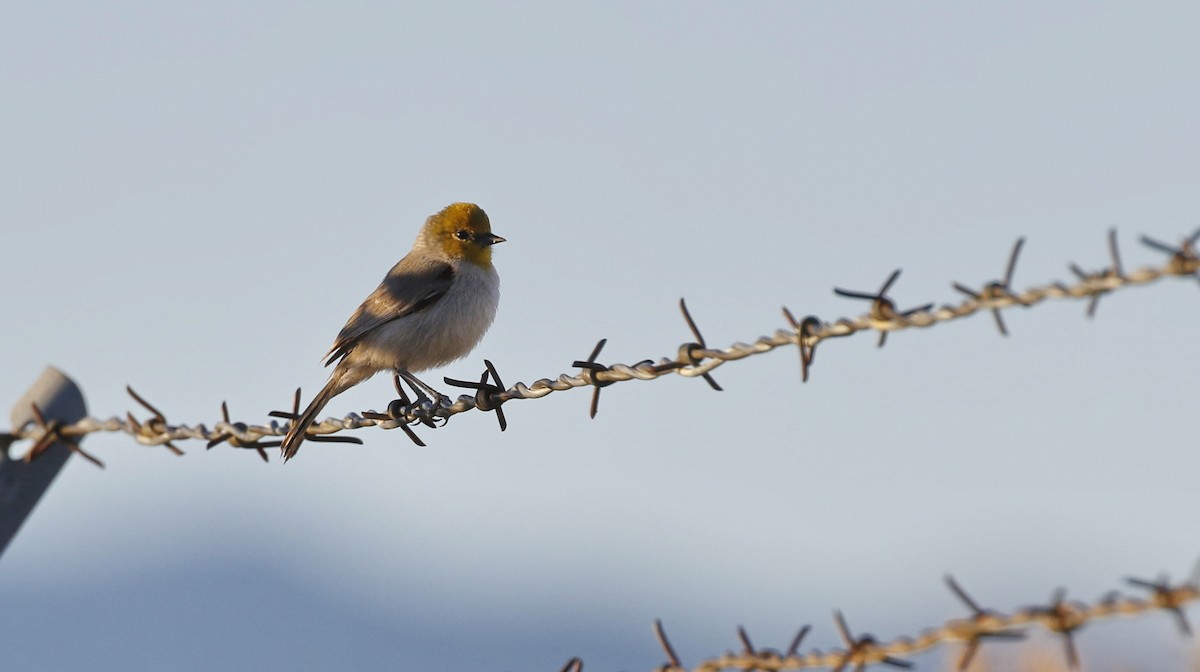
pixel 1059 617
pixel 695 359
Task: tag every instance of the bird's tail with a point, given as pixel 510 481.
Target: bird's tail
pixel 295 436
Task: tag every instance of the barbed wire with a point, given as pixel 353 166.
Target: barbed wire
pixel 1059 617
pixel 695 358
pixel 692 359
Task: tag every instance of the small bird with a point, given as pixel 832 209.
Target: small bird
pixel 431 309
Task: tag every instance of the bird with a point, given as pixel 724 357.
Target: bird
pixel 432 308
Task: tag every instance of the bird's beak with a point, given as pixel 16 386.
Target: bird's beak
pixel 487 239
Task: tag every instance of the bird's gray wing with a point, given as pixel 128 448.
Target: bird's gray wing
pixel 410 287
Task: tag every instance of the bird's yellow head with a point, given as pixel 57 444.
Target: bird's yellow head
pixel 461 231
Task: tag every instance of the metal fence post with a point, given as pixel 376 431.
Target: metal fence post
pixel 22 484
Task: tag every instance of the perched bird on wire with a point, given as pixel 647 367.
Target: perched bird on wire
pixel 431 309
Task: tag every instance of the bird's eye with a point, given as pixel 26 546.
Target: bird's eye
pixel 462 234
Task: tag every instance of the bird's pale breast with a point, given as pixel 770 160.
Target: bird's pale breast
pixel 439 334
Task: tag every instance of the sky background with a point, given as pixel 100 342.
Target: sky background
pixel 196 196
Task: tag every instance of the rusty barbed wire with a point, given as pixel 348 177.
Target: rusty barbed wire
pixel 692 359
pixel 1059 617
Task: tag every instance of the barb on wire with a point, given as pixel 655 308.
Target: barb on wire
pixel 1101 277
pixel 1184 259
pixel 794 647
pixel 1062 618
pixel 152 427
pixel 590 368
pixel 293 415
pixel 806 339
pixel 418 410
pixel 397 410
pixel 994 291
pixel 487 396
pixel 672 664
pixel 1166 597
pixel 883 311
pixel 981 625
pixel 233 430
pixel 688 351
pixel 863 650
pixel 747 647
pixel 767 658
pixel 50 433
pixel 693 359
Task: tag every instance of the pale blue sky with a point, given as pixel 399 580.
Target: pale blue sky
pixel 197 196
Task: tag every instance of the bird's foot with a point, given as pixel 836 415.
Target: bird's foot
pixel 423 394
